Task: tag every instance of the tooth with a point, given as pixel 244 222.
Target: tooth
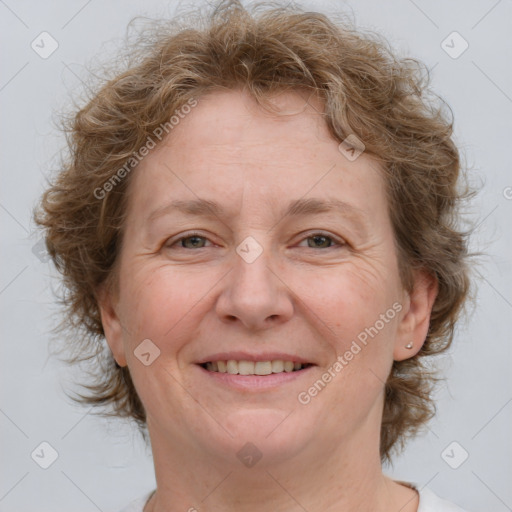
pixel 288 366
pixel 246 367
pixel 263 368
pixel 232 367
pixel 277 366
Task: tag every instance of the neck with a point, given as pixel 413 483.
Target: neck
pixel 346 478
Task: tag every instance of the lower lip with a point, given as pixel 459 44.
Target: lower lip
pixel 255 382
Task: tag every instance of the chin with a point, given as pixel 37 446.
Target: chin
pixel 272 436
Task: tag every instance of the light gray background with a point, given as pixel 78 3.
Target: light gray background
pixel 102 465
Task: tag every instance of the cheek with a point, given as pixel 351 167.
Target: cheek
pixel 349 299
pixel 357 311
pixel 160 305
pixel 362 316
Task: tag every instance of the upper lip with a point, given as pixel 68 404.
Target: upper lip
pixel 246 356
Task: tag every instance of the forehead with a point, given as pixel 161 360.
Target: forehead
pixel 228 147
pixel 232 124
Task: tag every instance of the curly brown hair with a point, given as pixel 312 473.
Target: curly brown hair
pixel 367 91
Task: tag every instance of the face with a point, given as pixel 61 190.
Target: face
pixel 252 237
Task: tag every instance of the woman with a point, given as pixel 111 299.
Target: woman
pixel 258 217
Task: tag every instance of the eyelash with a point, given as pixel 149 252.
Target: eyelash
pixel 314 234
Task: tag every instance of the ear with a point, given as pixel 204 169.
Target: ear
pixel 111 324
pixel 414 324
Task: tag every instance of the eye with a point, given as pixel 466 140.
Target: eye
pixel 197 241
pixel 190 241
pixel 321 241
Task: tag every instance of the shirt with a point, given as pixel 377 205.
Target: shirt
pixel 429 502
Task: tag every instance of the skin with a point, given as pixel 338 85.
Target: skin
pixel 303 295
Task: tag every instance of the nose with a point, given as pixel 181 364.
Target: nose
pixel 255 295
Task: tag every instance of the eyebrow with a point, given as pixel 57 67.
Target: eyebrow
pixel 298 207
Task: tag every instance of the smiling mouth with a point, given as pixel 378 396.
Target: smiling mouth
pixel 254 368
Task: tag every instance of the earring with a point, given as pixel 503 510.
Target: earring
pixel 409 345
